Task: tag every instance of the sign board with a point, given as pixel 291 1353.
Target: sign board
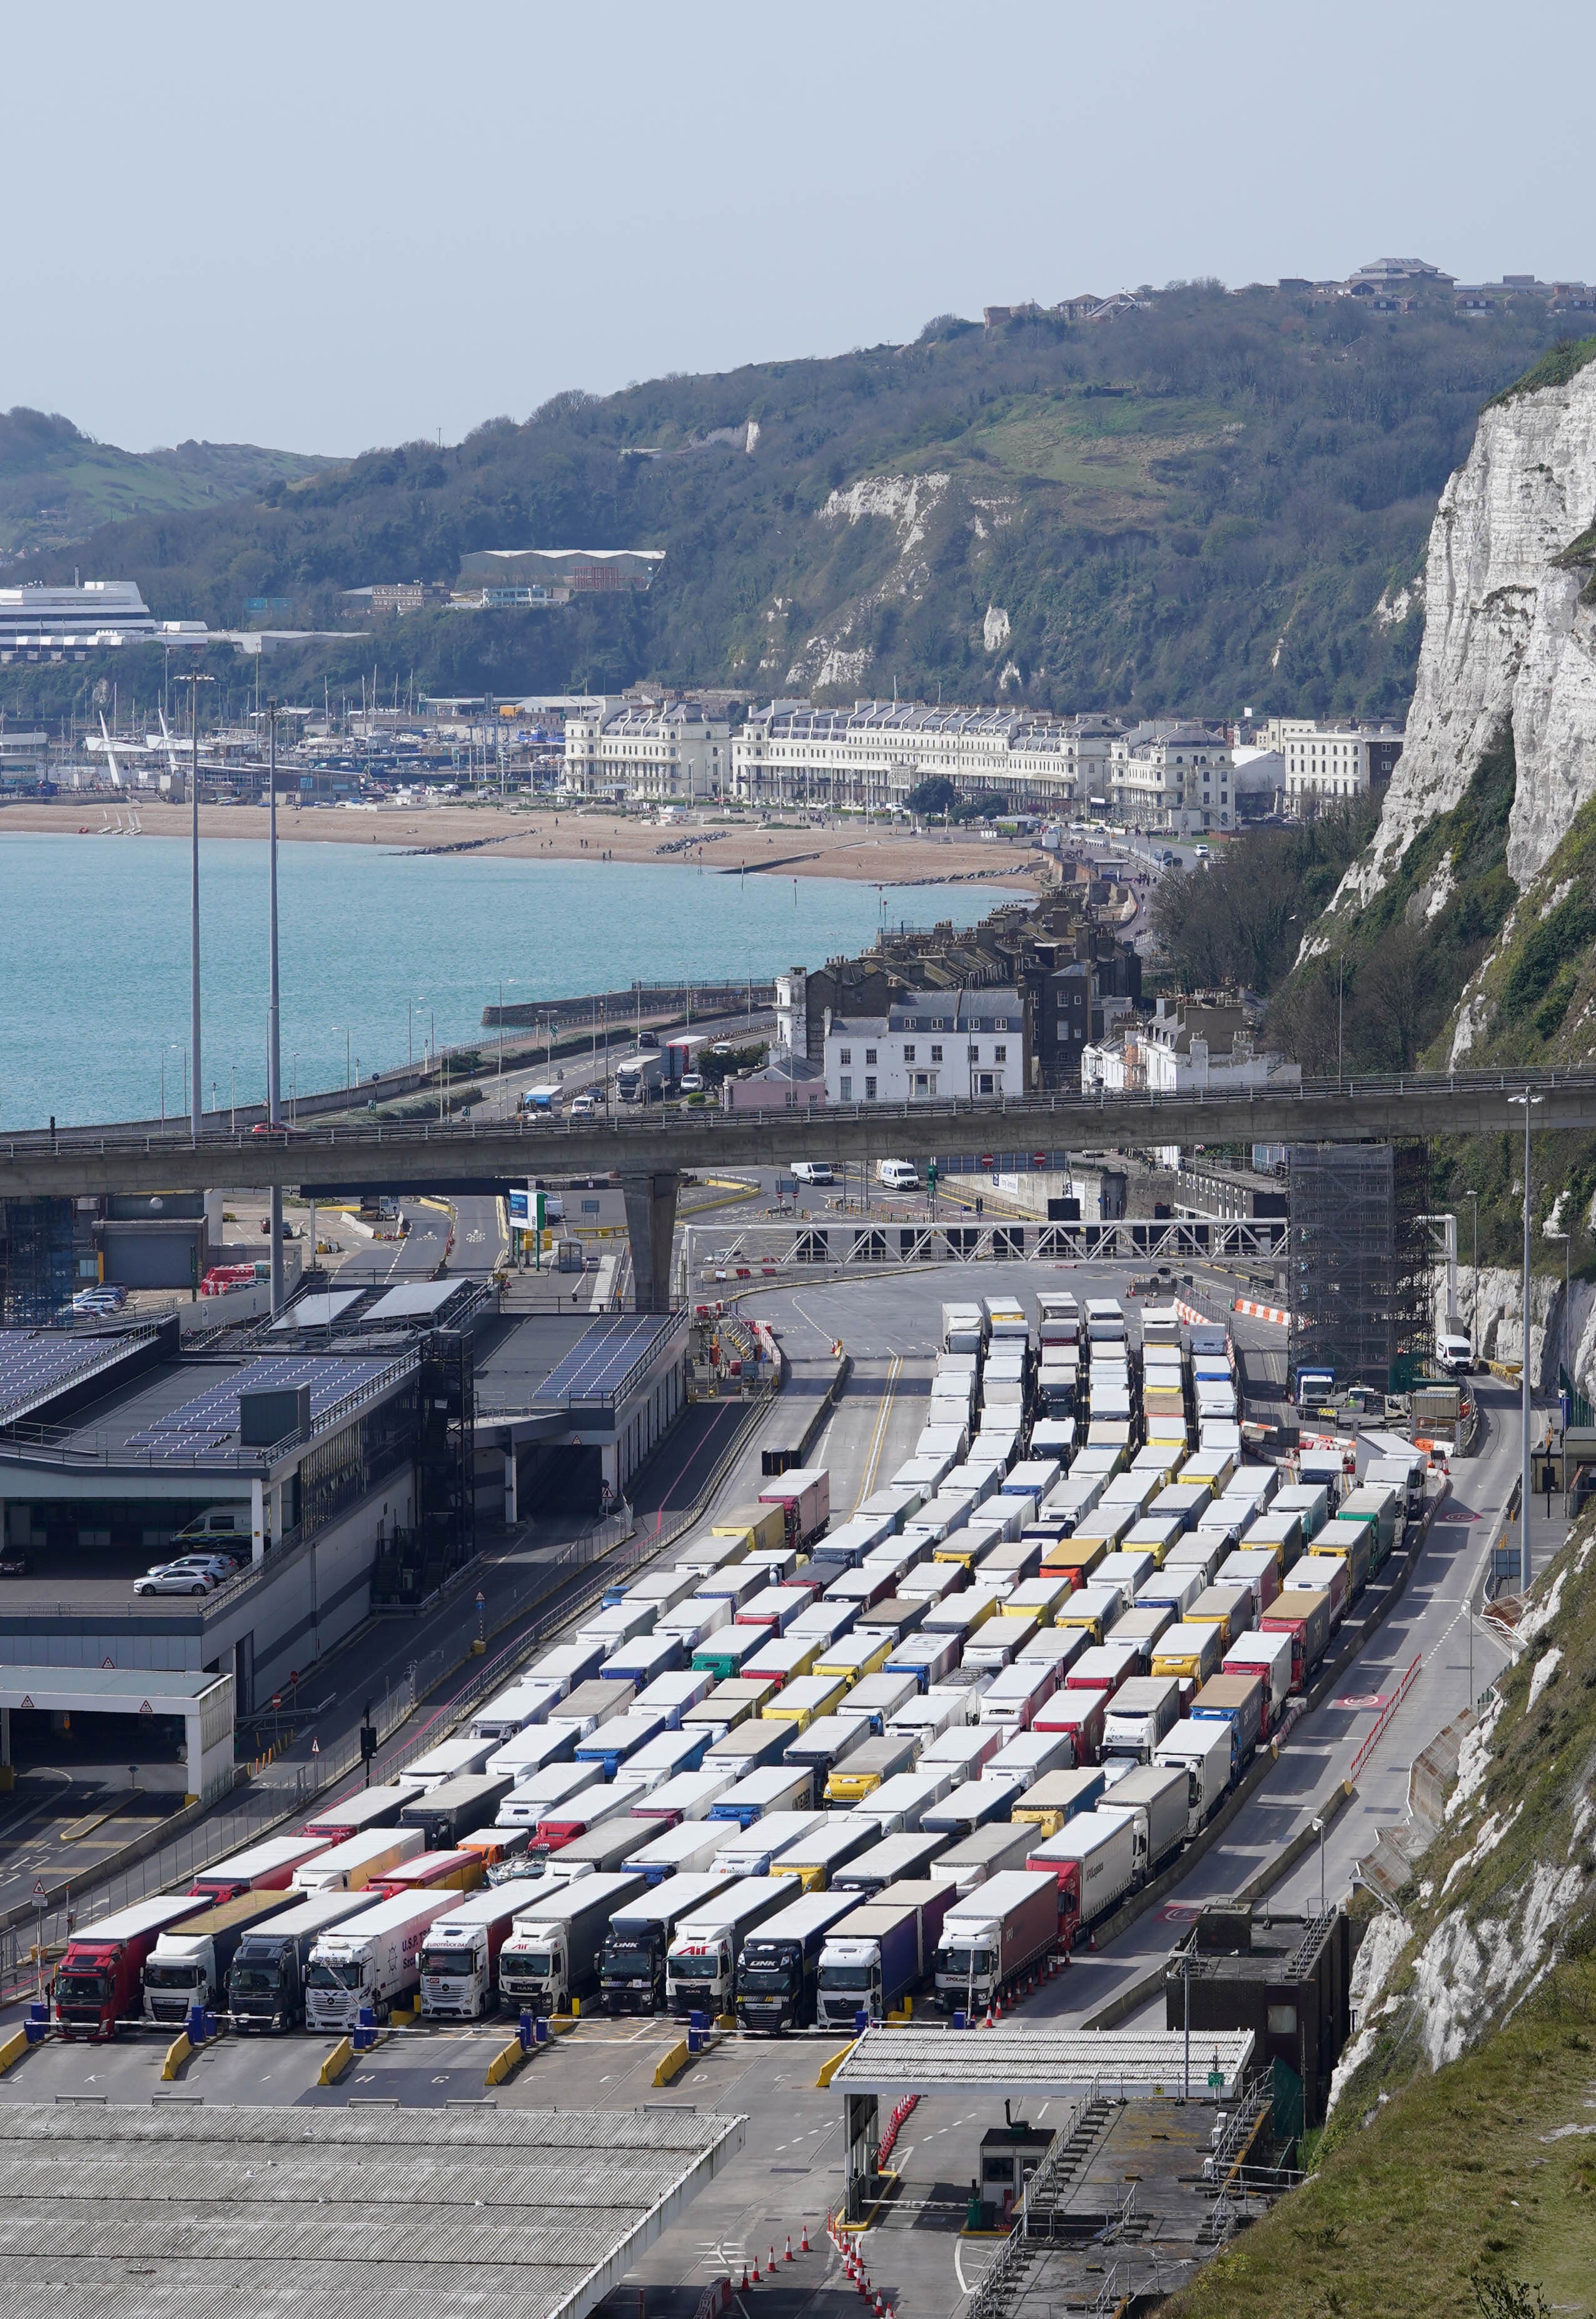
pixel 518 1204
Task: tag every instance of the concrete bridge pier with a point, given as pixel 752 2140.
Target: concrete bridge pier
pixel 651 1227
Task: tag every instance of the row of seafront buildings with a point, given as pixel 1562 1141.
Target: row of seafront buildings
pixel 1168 775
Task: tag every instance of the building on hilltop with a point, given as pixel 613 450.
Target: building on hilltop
pixel 1396 273
pixel 583 571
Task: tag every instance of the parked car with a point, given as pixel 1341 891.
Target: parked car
pixel 216 1566
pixel 174 1578
pixel 584 1106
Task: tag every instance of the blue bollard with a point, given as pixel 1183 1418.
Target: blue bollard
pixel 36 2027
pixel 196 2025
pixel 862 2021
pixel 365 2030
pixel 524 2033
pixel 699 2021
pixel 540 2029
pixel 961 2021
pixel 210 2029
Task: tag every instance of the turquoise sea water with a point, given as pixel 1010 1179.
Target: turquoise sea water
pixel 94 963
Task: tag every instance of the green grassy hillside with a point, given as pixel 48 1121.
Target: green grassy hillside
pixel 1457 2174
pixel 1212 502
pixel 57 485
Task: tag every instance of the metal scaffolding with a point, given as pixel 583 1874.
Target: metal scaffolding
pixel 1359 1261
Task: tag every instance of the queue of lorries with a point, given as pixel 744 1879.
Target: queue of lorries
pixel 807 1771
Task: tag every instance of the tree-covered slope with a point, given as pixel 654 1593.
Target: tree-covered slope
pixel 57 484
pixel 1212 502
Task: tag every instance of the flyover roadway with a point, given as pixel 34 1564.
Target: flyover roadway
pixel 659 1140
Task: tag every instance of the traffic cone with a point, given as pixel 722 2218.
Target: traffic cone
pixel 787 2256
pixel 744 2275
pixel 804 2243
pixel 881 2305
pixel 771 2266
pixel 756 2270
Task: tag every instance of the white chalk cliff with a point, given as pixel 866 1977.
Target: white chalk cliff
pixel 1507 640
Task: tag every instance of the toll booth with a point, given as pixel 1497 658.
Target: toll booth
pixel 1010 2155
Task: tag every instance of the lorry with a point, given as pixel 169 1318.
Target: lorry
pixel 374 1961
pixel 1304 1614
pixel 451 1759
pixel 97 1981
pixel 584 1814
pixel 552 1953
pixel 1267 1656
pixel 749 1851
pixel 804 1494
pixel 460 1955
pixel 640 1078
pixel 358 1861
pixel 992 1934
pixel 897 1806
pixel 750 1745
pixel 701 1964
pixel 973 1803
pixel 835 1838
pixel 189 1962
pixel 457 1806
pixel 1156 1794
pixel 457 1870
pixel 690 1845
pixel 608 1747
pixel 985 1854
pixel 871 1959
pixel 589 1703
pixel 1060 1796
pixel 777 1970
pixel 1031 1756
pixel 529 1750
pixel 772 1788
pixel 542 1791
pixel 860 1768
pixel 886 1861
pixel 632 1961
pixel 265 1981
pixel 1202 1751
pixel 1237 1700
pixel 1094 1859
pixel 366 1808
pixel 1144 1709
pixel 685 1795
pixel 265 1867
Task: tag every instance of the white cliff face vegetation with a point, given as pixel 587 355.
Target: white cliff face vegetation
pixel 1508 644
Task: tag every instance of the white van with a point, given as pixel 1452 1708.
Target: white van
pixel 813 1171
pixel 897 1175
pixel 1456 1354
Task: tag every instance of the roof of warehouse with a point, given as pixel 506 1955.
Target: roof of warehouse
pixel 1006 2060
pixel 389 2214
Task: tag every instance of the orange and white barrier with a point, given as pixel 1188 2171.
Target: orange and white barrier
pixel 1262 1312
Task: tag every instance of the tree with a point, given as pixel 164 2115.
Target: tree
pixel 932 797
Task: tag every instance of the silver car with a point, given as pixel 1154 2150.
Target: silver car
pixel 175 1578
pixel 209 1566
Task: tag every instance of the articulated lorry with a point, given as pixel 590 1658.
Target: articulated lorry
pixel 876 1957
pixel 1093 1861
pixel 553 1952
pixel 265 1981
pixel 367 1807
pixel 189 1964
pixel 994 1935
pixel 778 1971
pixel 460 1955
pixel 374 1961
pixel 265 1867
pixel 97 1981
pixel 632 1963
pixel 701 1965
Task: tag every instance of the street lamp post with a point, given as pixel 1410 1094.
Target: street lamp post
pixel 1317 1825
pixel 1474 1280
pixel 1528 1102
pixel 274 1016
pixel 194 681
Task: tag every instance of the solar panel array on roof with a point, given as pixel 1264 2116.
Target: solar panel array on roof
pixel 35 1363
pixel 596 1366
pixel 318 1312
pixel 200 1427
pixel 419 1296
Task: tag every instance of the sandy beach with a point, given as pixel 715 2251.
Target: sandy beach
pixel 892 857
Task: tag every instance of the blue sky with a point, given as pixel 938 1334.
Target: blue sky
pixel 324 227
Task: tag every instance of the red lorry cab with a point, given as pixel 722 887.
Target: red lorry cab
pixel 98 1981
pixel 1081 1714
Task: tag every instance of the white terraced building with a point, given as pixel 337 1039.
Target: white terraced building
pixel 1174 777
pixel 932 1043
pixel 873 754
pixel 671 749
